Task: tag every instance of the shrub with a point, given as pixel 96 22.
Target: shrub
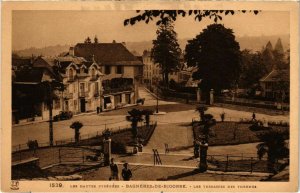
pixel 32 144
pixel 257 126
pixel 118 147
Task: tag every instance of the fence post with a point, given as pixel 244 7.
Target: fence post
pixel 83 156
pixel 153 157
pixel 59 155
pixel 20 155
pixel 226 169
pixel 251 165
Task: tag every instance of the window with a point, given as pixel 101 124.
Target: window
pixel 96 87
pixel 56 104
pixel 82 87
pixel 107 69
pixel 119 70
pixel 89 86
pixel 93 73
pixel 81 70
pixel 71 74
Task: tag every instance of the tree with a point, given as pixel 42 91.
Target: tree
pixel 281 85
pixel 96 40
pixel 252 69
pixel 87 40
pixel 134 117
pixel 48 93
pixel 147 113
pixel 166 51
pixel 164 16
pixel 76 126
pixel 216 53
pixel 207 120
pixel 201 110
pixel 273 144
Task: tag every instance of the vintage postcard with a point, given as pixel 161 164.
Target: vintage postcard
pixel 150 96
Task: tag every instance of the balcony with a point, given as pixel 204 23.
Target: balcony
pixel 83 94
pixel 68 95
pixel 71 78
pixel 118 90
pixel 94 78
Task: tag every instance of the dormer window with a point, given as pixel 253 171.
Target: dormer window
pixel 71 74
pixel 81 70
pixel 93 73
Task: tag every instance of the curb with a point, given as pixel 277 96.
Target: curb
pixel 42 121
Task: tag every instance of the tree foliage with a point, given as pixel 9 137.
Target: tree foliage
pixel 96 41
pixel 166 51
pixel 216 53
pixel 163 16
pixel 76 126
pixel 87 40
pixel 135 116
pixel 274 145
pixel 252 69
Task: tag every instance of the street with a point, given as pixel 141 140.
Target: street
pixel 171 125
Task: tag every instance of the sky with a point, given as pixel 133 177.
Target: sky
pixel 46 28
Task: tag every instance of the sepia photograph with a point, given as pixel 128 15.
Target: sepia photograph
pixel 151 95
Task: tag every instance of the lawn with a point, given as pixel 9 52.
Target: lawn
pixel 122 136
pixel 231 133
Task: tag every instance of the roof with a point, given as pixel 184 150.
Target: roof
pixel 21 61
pixel 33 75
pixel 277 75
pixel 106 54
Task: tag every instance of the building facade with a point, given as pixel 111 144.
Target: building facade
pixel 82 81
pixel 151 73
pixel 122 72
pixel 276 84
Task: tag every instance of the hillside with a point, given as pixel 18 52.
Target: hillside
pixel 246 42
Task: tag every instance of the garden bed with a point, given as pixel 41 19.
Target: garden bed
pixel 232 133
pixel 244 165
pixel 123 137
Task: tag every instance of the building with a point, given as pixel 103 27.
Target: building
pixel 122 71
pixel 82 80
pixel 276 84
pixel 151 73
pixel 29 94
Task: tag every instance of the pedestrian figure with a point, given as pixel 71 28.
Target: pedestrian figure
pixel 126 173
pixel 114 170
pixel 253 117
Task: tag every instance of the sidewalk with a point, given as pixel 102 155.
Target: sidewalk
pixel 47 120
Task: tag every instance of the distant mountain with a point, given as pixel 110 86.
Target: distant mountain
pixel 46 51
pixel 254 43
pixel 246 42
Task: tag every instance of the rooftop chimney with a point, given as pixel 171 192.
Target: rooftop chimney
pixel 71 51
